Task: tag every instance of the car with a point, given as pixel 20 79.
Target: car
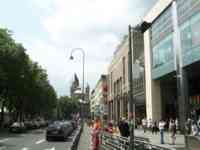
pixel 17 127
pixel 59 130
pixel 36 124
pixel 29 125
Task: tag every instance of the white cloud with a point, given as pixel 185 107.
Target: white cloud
pixel 95 25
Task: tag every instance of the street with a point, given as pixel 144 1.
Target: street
pixel 33 140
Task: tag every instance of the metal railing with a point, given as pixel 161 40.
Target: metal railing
pixel 114 142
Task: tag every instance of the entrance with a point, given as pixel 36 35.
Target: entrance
pixel 169 102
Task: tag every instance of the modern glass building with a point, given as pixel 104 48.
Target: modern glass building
pixel 160 57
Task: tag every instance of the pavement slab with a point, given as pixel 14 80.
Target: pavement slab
pixel 84 142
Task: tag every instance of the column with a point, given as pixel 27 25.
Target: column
pixel 152 87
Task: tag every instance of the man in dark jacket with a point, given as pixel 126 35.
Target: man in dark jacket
pixel 124 128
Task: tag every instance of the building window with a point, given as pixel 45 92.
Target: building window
pixel 163 52
pixel 186 37
pixel 195 27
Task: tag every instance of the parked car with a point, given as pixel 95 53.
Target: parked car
pixel 59 130
pixel 29 125
pixel 36 124
pixel 17 127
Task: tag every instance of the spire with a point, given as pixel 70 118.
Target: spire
pixel 76 80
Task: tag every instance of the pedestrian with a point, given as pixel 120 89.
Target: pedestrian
pixel 144 124
pixel 198 125
pixel 173 131
pixel 154 128
pixel 149 124
pixel 124 127
pixel 171 123
pixel 194 129
pixel 177 124
pixel 188 126
pixel 161 128
pixel 109 128
pixel 95 134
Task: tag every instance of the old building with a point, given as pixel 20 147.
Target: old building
pixel 74 86
pixel 119 78
pixel 118 82
pixel 98 98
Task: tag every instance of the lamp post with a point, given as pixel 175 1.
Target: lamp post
pixel 131 99
pixel 181 74
pixel 83 71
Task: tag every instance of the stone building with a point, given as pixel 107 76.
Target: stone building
pixel 118 82
pixel 74 86
pixel 119 78
pixel 98 101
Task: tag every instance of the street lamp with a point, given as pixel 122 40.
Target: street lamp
pixel 131 98
pixel 83 65
pixel 181 74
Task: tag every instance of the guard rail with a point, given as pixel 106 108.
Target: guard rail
pixel 115 142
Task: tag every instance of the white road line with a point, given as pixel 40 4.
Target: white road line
pixel 53 148
pixel 40 141
pixel 25 148
pixel 4 140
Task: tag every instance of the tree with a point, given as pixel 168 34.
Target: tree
pixel 67 106
pixel 24 87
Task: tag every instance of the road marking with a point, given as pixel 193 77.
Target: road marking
pixel 4 140
pixel 25 148
pixel 40 141
pixel 53 148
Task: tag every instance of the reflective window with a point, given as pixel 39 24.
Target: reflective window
pixel 186 37
pixel 162 52
pixel 195 27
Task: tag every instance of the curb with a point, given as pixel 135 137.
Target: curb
pixel 76 139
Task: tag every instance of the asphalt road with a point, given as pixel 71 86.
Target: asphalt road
pixel 33 140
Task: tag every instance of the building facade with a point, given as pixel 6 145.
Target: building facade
pixel 174 31
pixel 99 96
pixel 119 81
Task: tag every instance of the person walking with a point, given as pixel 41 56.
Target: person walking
pixel 172 128
pixel 149 124
pixel 95 134
pixel 161 128
pixel 144 124
pixel 194 129
pixel 154 128
pixel 124 128
pixel 109 128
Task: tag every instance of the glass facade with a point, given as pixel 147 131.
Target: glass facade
pixel 163 52
pixel 162 37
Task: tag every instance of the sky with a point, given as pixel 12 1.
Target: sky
pixel 50 29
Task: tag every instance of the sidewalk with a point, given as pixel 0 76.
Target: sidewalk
pixel 84 142
pixel 155 139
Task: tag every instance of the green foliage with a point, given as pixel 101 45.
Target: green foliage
pixel 23 83
pixel 67 106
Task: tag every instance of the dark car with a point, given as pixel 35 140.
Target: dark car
pixel 59 130
pixel 17 127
